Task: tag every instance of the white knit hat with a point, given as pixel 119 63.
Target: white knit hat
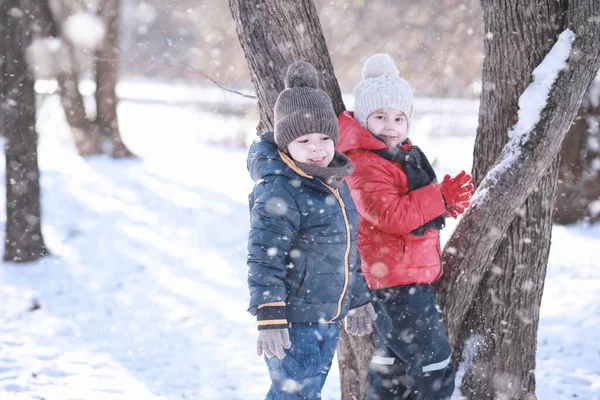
pixel 381 87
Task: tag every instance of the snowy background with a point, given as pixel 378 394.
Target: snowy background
pixel 145 297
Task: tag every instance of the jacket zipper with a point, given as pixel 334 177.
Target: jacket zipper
pixel 336 193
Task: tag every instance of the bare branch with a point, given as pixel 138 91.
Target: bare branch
pixel 204 75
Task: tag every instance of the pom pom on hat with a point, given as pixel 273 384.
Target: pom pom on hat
pixel 301 74
pixel 379 64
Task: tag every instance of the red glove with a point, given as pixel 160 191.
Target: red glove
pixel 455 210
pixel 451 212
pixel 457 189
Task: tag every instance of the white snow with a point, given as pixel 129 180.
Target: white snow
pixel 533 100
pixel 16 12
pixel 146 13
pixel 471 346
pixel 85 30
pixel 594 208
pixel 531 104
pixel 594 92
pixel 145 294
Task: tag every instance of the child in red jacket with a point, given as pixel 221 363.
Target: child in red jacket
pixel 402 209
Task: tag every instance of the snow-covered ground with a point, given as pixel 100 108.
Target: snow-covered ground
pixel 144 296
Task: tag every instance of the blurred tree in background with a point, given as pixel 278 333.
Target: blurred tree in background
pixel 18 22
pixel 578 190
pixel 96 53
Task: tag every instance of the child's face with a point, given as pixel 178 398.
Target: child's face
pixel 314 148
pixel 389 124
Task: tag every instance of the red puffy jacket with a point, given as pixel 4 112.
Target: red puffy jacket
pixel 390 254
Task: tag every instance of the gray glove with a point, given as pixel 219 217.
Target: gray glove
pixel 272 342
pixel 358 321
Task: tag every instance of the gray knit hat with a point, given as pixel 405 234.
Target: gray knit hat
pixel 303 108
pixel 381 87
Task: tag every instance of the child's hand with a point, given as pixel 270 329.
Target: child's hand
pixel 456 190
pixel 359 319
pixel 273 342
pixel 451 212
pixel 456 209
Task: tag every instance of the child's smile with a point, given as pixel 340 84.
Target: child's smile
pixel 317 160
pixel 314 148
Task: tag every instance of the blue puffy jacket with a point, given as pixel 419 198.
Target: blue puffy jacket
pixel 303 241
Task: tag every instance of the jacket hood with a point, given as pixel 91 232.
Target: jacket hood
pixel 353 136
pixel 264 158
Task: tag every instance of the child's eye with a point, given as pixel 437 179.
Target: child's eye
pixel 303 141
pixel 399 119
pixel 379 117
pixel 325 138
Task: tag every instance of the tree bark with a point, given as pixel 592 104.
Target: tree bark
pixel 504 315
pixel 23 241
pixel 579 173
pixel 496 263
pixel 354 357
pixel 107 74
pixel 273 34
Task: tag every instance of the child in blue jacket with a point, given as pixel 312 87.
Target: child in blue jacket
pixel 304 267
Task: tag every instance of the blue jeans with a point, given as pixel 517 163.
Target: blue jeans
pixel 302 372
pixel 412 358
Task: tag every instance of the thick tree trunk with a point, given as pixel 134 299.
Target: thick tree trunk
pixel 273 34
pixel 506 308
pixel 579 173
pixel 505 311
pixel 496 263
pixel 23 240
pixel 107 74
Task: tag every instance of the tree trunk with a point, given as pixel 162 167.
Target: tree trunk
pixel 579 173
pixel 354 357
pixel 505 316
pixel 85 132
pixel 67 69
pixel 505 311
pixel 23 240
pixel 273 34
pixel 107 75
pixel 492 289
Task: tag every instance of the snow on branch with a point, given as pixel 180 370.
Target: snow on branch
pixel 531 104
